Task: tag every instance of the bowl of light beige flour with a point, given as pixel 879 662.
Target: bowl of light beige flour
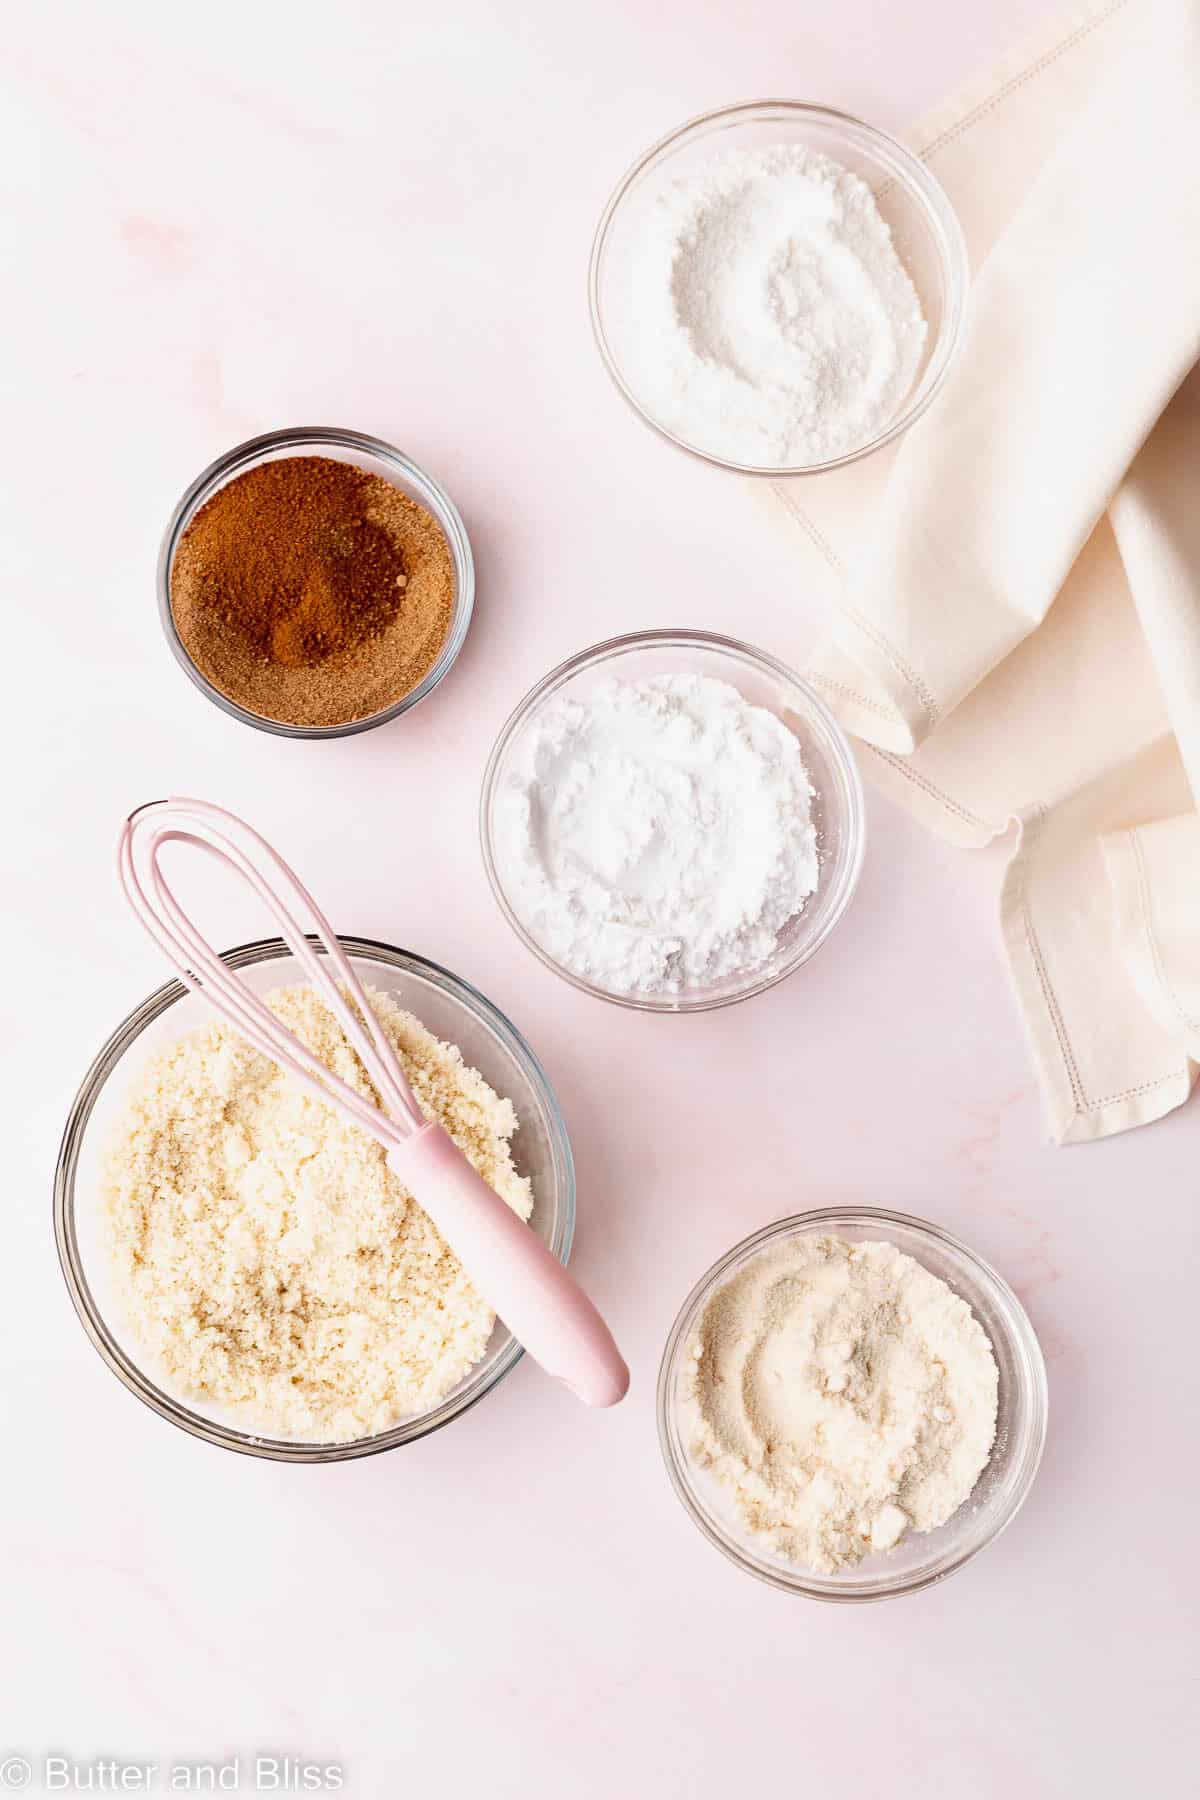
pixel 243 1258
pixel 852 1404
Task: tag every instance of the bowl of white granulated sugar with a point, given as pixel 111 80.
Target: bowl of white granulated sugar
pixel 852 1404
pixel 672 821
pixel 242 1257
pixel 778 288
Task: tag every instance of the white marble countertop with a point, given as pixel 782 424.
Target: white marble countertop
pixel 240 216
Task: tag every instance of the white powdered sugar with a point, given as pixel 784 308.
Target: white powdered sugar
pixel 657 836
pixel 769 319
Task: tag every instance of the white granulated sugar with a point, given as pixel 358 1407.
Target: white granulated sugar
pixel 768 317
pixel 657 835
pixel 269 1262
pixel 841 1395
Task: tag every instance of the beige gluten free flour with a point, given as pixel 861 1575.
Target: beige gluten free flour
pixel 842 1395
pixel 267 1257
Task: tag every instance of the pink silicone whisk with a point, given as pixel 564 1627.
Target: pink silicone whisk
pixel 543 1307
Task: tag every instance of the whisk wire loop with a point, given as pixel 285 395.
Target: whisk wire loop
pixel 197 823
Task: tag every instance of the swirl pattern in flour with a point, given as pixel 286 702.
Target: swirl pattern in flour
pixel 842 1395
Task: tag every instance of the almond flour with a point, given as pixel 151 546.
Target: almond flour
pixel 841 1395
pixel 270 1263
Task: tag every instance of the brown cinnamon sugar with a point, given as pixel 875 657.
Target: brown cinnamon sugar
pixel 311 592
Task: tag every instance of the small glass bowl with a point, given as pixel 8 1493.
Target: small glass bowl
pixel 838 810
pixel 925 231
pixel 377 458
pixel 921 1558
pixel 447 1006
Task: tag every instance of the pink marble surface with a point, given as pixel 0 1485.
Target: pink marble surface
pixel 241 216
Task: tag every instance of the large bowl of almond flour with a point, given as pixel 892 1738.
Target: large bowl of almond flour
pixel 242 1258
pixel 852 1404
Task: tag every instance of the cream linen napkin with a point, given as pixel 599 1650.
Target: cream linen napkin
pixel 1015 587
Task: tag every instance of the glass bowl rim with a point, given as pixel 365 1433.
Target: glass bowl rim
pixel 665 637
pixel 917 179
pixel 255 449
pixel 1032 1385
pixel 106 1063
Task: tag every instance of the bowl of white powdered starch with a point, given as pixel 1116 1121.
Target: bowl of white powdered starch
pixel 672 821
pixel 778 288
pixel 852 1404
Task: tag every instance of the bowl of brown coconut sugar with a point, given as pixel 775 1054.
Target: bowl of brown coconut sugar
pixel 315 582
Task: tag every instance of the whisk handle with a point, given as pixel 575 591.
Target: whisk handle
pixel 543 1307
